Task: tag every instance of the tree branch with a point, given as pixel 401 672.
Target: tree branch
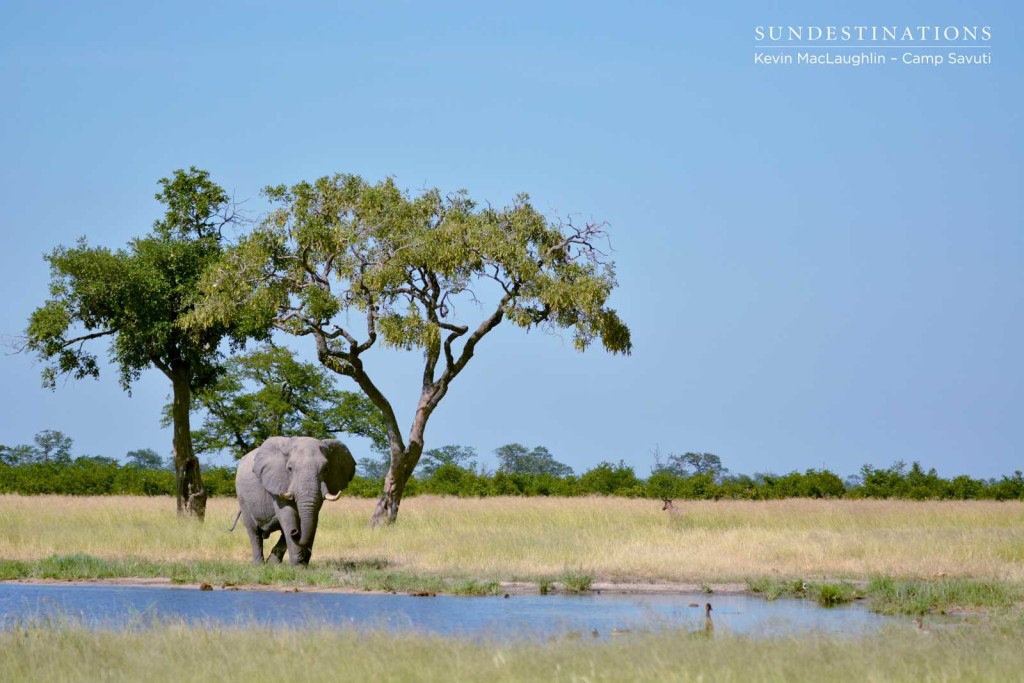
pixel 454 367
pixel 161 366
pixel 87 337
pixel 354 369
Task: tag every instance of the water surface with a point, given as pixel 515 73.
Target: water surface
pixel 493 617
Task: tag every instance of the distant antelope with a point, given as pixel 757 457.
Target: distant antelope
pixel 670 508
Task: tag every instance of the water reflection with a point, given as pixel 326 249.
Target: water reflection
pixel 518 616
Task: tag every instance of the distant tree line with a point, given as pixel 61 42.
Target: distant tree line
pixel 47 467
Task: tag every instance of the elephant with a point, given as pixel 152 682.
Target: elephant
pixel 281 486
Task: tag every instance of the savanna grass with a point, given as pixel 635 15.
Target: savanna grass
pixel 535 539
pixel 255 653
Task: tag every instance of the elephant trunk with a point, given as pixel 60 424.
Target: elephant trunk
pixel 309 512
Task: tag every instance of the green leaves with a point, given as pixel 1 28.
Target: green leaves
pixel 195 206
pixel 340 245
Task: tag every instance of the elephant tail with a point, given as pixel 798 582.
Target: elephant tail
pixel 234 523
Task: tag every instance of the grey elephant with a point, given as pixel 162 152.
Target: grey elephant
pixel 281 486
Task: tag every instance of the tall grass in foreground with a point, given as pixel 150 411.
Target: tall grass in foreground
pixel 538 538
pixel 176 653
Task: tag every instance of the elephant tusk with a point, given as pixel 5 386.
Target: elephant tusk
pixel 332 496
pixel 288 495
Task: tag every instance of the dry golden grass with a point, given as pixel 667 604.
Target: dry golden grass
pixel 530 538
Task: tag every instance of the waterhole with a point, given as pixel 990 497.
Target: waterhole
pixel 518 616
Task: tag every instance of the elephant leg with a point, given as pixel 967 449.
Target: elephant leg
pixel 297 555
pixel 277 552
pixel 256 539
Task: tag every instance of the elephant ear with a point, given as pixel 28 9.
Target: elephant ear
pixel 341 466
pixel 271 465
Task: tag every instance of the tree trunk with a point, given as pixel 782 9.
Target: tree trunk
pixel 189 489
pixel 398 475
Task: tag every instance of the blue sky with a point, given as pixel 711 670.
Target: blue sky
pixel 821 266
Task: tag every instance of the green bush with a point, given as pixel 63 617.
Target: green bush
pixel 97 476
pixel 611 480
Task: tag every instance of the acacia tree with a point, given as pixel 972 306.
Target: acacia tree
pixel 135 297
pixel 354 266
pixel 268 392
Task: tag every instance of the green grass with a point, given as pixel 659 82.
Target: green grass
pixel 832 594
pixel 899 595
pixel 826 593
pixel 905 596
pixel 575 581
pixel 772 587
pixel 361 576
pixel 158 653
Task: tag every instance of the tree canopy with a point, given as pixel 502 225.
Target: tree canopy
pixel 136 297
pixel 515 458
pixel 51 446
pixel 459 456
pixel 690 464
pixel 354 265
pixel 145 459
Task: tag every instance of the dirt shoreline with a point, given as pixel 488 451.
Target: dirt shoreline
pixel 509 587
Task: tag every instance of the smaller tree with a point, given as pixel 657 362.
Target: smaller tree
pixel 459 456
pixel 374 468
pixel 53 446
pixel 145 459
pixel 21 454
pixel 691 464
pixel 268 392
pixel 515 458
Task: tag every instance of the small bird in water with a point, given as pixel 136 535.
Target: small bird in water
pixel 709 625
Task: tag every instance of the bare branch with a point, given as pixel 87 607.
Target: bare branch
pixel 87 337
pixel 583 238
pixel 16 344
